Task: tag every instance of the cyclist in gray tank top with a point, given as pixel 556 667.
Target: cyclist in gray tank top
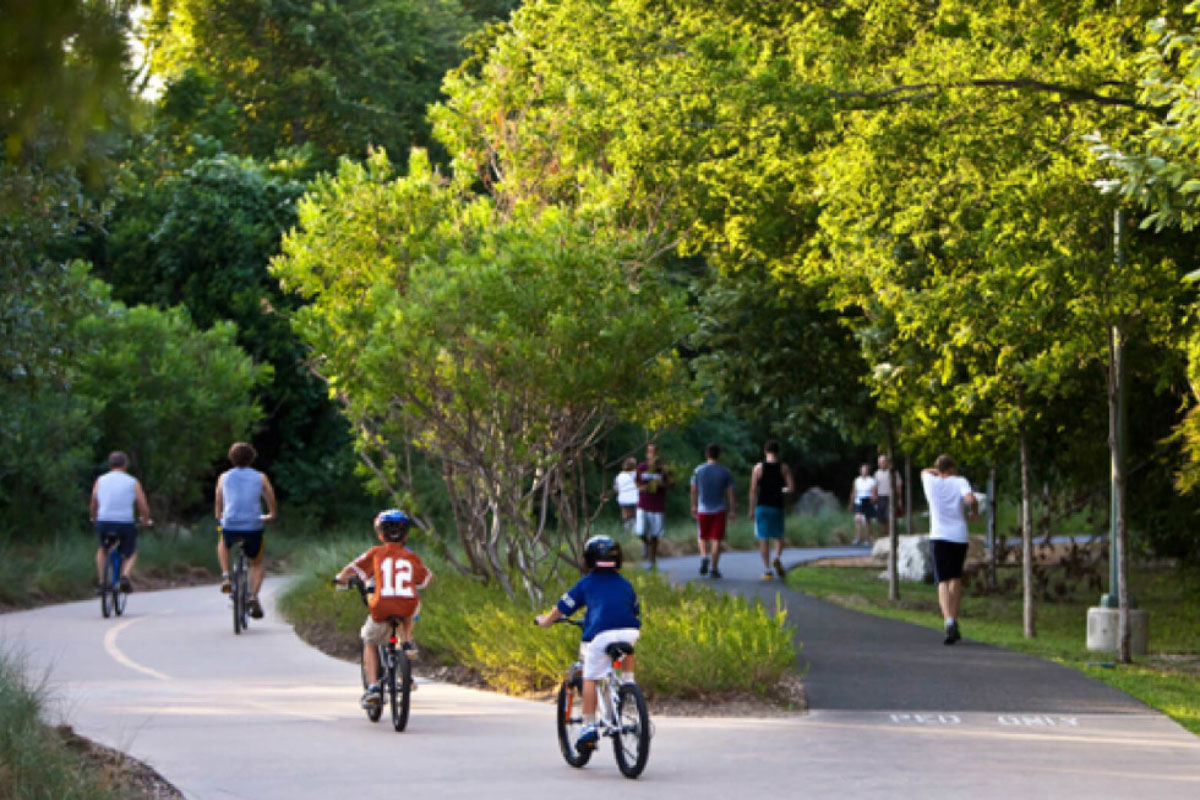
pixel 241 493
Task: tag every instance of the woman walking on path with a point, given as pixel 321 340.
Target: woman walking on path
pixel 770 480
pixel 862 501
pixel 947 492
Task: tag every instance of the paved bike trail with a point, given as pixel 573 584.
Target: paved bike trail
pixel 263 716
pixel 859 662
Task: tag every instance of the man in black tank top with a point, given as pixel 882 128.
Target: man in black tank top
pixel 770 485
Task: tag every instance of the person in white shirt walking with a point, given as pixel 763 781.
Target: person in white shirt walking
pixel 862 501
pixel 948 493
pixel 115 494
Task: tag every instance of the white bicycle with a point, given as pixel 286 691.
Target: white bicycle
pixel 622 714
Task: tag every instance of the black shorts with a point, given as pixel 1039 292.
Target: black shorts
pixel 125 534
pixel 866 507
pixel 881 509
pixel 948 559
pixel 252 542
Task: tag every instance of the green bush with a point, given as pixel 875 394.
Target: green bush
pixel 35 764
pixel 695 641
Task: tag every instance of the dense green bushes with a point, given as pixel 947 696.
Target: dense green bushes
pixel 695 641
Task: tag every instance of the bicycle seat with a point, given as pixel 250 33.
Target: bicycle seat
pixel 396 620
pixel 618 649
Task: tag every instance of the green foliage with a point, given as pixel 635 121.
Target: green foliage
pixel 270 74
pixel 173 397
pixel 695 641
pixel 35 762
pixel 503 342
pixel 62 75
pixel 202 237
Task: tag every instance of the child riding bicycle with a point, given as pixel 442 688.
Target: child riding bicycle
pixel 613 615
pixel 397 573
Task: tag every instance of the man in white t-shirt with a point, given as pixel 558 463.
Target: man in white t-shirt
pixel 884 480
pixel 947 492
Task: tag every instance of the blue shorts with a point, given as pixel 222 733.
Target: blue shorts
pixel 252 542
pixel 768 522
pixel 125 534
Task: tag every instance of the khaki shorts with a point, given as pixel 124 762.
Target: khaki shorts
pixel 377 633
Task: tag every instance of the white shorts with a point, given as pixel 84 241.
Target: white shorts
pixel 650 523
pixel 595 660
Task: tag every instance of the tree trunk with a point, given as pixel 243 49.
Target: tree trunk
pixel 1116 444
pixel 991 529
pixel 1027 540
pixel 893 539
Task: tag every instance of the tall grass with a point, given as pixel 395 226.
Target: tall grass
pixel 695 641
pixel 35 763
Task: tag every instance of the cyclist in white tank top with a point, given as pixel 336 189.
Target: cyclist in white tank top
pixel 115 495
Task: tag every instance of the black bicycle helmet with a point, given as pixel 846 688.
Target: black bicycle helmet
pixel 602 553
pixel 393 524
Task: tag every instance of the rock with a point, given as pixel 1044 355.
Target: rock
pixel 916 561
pixel 816 500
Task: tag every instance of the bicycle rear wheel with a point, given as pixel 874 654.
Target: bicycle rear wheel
pixel 119 597
pixel 375 712
pixel 400 680
pixel 569 721
pixel 107 593
pixel 237 582
pixel 631 745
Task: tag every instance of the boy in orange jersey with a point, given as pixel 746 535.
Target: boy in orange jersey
pixel 398 573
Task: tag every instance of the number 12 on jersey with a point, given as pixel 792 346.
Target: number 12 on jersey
pixel 396 574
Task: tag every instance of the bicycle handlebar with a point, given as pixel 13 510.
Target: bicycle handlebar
pixel 563 621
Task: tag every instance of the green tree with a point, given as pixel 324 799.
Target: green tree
pixel 504 343
pixel 337 76
pixel 171 395
pixel 203 237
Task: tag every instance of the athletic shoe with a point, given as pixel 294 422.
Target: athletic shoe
pixel 704 566
pixel 410 648
pixel 126 586
pixel 952 634
pixel 226 588
pixel 779 568
pixel 587 738
pixel 768 576
pixel 100 589
pixel 716 573
pixel 254 608
pixel 372 698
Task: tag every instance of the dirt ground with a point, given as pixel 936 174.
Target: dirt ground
pixel 132 778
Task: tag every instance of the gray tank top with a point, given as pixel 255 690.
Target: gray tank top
pixel 241 494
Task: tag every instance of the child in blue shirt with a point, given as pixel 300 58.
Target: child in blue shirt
pixel 613 615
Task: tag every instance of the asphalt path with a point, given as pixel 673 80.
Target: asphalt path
pixel 264 716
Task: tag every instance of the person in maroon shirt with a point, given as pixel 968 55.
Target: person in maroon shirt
pixel 653 480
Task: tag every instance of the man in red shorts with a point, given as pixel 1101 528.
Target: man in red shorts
pixel 712 506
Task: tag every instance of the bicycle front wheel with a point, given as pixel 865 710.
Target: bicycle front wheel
pixel 570 721
pixel 400 678
pixel 107 595
pixel 376 711
pixel 631 745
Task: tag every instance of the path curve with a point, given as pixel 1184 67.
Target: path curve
pixel 264 716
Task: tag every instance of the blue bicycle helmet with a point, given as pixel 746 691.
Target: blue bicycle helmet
pixel 393 524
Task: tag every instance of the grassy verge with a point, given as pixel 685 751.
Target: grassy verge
pixel 695 642
pixel 36 762
pixel 1168 679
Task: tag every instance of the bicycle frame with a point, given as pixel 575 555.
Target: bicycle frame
pixel 395 678
pixel 111 597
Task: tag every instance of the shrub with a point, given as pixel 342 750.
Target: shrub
pixel 695 641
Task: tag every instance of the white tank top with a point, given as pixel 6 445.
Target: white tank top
pixel 116 494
